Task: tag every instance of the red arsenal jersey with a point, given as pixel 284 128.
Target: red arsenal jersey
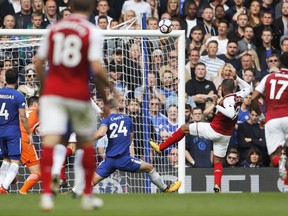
pixel 274 87
pixel 70 46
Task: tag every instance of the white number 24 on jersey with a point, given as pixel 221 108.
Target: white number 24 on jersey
pixel 117 129
pixel 4 112
pixel 67 50
pixel 273 83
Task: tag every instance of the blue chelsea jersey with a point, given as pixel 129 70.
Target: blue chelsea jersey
pixel 120 127
pixel 10 102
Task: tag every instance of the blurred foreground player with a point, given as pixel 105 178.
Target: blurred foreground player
pixel 71 49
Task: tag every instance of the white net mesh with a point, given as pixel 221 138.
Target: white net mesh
pixel 144 68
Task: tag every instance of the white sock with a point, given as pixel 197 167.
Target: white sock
pixel 156 179
pixel 11 174
pixel 3 171
pixel 79 182
pixel 59 157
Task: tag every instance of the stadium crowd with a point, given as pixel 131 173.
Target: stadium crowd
pixel 224 38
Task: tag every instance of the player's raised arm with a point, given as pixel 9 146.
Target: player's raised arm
pixel 101 132
pixel 228 107
pixel 246 89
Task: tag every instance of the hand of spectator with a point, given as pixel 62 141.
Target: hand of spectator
pixel 248 139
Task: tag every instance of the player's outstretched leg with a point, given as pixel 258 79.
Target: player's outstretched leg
pixel 218 170
pixel 174 138
pixel 156 179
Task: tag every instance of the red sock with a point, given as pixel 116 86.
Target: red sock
pixel 63 170
pixel 218 170
pixel 275 161
pixel 174 138
pixel 46 166
pixel 89 165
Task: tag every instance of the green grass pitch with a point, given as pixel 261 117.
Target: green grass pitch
pixel 197 204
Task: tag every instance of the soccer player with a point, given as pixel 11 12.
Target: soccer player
pixel 29 157
pixel 119 130
pixel 12 108
pixel 219 130
pixel 72 46
pixel 274 88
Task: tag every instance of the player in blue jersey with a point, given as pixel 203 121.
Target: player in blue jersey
pixel 12 107
pixel 119 131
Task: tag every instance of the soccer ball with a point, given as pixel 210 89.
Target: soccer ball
pixel 165 26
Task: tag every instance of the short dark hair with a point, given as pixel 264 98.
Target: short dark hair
pixel 283 60
pixel 31 100
pixel 11 76
pixel 228 84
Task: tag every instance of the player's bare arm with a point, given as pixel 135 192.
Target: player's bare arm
pixel 24 120
pixel 101 132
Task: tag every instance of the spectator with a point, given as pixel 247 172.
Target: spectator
pixel 266 22
pixel 200 88
pixel 65 13
pixel 198 151
pixel 61 5
pixel 154 9
pixel 193 60
pixel 212 62
pixel 172 114
pixel 237 33
pixel 134 111
pixel 158 119
pixel 254 158
pixel 139 6
pixel 221 38
pixel 23 18
pixel 50 15
pixel 9 22
pixel 251 135
pixel 195 39
pixel 173 8
pixel 266 48
pixel 230 55
pixel 153 89
pixel 188 113
pixel 249 76
pixel 38 5
pixel 254 13
pixel 168 84
pixel 2 78
pixel 176 23
pixel 246 43
pixel 30 88
pixel 247 61
pixel 273 64
pixel 173 157
pixel 102 22
pixel 208 28
pixel 103 8
pixel 117 77
pixel 227 71
pixel 190 17
pixel 157 62
pixel 281 22
pixel 284 44
pixel 5 8
pixel 152 23
pixel 232 158
pixel 36 21
pixel 215 3
pixel 268 6
pixel 219 15
pixel 130 20
pixel 235 11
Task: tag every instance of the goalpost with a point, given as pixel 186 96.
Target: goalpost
pixel 21 50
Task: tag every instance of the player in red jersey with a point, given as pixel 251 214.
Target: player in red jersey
pixel 29 157
pixel 219 130
pixel 72 46
pixel 274 88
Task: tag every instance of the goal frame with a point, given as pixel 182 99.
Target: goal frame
pixel 180 34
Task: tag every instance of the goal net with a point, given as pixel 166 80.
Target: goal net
pixel 148 70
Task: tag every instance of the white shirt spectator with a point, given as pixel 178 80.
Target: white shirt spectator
pixel 222 44
pixel 138 6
